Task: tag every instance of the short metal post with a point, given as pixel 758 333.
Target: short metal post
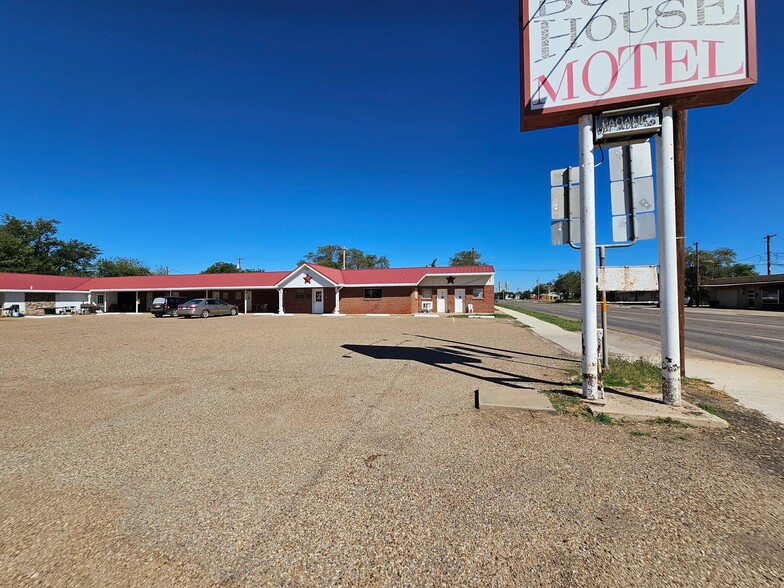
pixel 588 259
pixel 668 263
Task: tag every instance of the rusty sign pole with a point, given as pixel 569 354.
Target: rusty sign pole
pixel 668 262
pixel 605 358
pixel 680 224
pixel 588 260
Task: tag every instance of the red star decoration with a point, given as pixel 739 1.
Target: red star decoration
pixel 450 280
pixel 307 278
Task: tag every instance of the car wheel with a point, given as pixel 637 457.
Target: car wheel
pixel 205 313
pixel 175 313
pixel 233 312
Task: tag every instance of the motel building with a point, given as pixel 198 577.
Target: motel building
pixel 309 289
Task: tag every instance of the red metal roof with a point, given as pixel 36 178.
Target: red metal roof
pixel 402 276
pixel 40 283
pixel 189 281
pixel 407 275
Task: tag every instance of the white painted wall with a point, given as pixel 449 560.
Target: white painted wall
pixel 10 298
pixel 297 280
pixel 70 299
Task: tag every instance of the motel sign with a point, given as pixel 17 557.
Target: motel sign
pixel 583 56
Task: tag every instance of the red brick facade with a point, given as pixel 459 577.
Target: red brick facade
pixel 394 300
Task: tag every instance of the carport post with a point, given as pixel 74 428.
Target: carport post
pixel 137 302
pixel 337 300
pixel 245 296
pixel 280 300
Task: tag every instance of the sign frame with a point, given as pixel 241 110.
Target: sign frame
pixel 686 97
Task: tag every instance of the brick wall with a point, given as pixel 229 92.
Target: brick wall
pixel 394 300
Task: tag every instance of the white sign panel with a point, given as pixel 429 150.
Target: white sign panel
pixel 583 56
pixel 629 278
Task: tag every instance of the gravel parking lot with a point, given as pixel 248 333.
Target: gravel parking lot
pixel 306 450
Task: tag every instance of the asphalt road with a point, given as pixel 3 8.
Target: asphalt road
pixel 747 335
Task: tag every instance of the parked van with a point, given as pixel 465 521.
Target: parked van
pixel 166 305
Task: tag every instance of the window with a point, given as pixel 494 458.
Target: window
pixel 225 296
pixel 770 297
pixel 427 292
pixel 99 299
pixel 372 292
pixel 238 296
pixel 299 294
pixel 175 294
pixel 479 293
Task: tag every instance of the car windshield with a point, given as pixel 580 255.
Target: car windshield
pixel 159 301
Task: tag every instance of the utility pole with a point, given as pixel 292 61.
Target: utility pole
pixel 697 254
pixel 239 263
pixel 344 259
pixel 768 238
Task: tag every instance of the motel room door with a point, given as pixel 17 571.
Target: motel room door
pixel 459 300
pixel 318 301
pixel 441 301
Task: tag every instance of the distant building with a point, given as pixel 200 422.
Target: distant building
pixel 309 289
pixel 760 292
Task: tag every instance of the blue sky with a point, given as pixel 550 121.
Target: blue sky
pixel 183 133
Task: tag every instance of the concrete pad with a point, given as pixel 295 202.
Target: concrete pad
pixel 426 315
pixel 333 314
pixel 640 407
pixel 504 397
pixel 753 386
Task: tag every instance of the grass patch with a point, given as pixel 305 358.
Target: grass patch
pixel 564 403
pixel 640 434
pixel 639 373
pixel 565 324
pixel 670 422
pixel 710 409
pixel 602 419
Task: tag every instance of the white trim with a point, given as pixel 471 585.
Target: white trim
pixel 50 291
pixel 191 289
pixel 455 275
pixel 332 314
pixel 427 315
pixel 291 275
pixel 375 314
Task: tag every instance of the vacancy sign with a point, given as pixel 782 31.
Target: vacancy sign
pixel 584 56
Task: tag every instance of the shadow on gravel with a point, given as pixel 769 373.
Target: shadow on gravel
pixel 447 359
pixel 493 351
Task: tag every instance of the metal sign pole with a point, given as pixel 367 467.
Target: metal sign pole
pixel 668 262
pixel 588 260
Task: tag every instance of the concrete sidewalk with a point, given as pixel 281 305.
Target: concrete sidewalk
pixel 756 387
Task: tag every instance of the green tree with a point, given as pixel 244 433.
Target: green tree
pixel 332 256
pixel 468 257
pixel 718 263
pixel 568 285
pixel 32 247
pixel 221 267
pixel 121 266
